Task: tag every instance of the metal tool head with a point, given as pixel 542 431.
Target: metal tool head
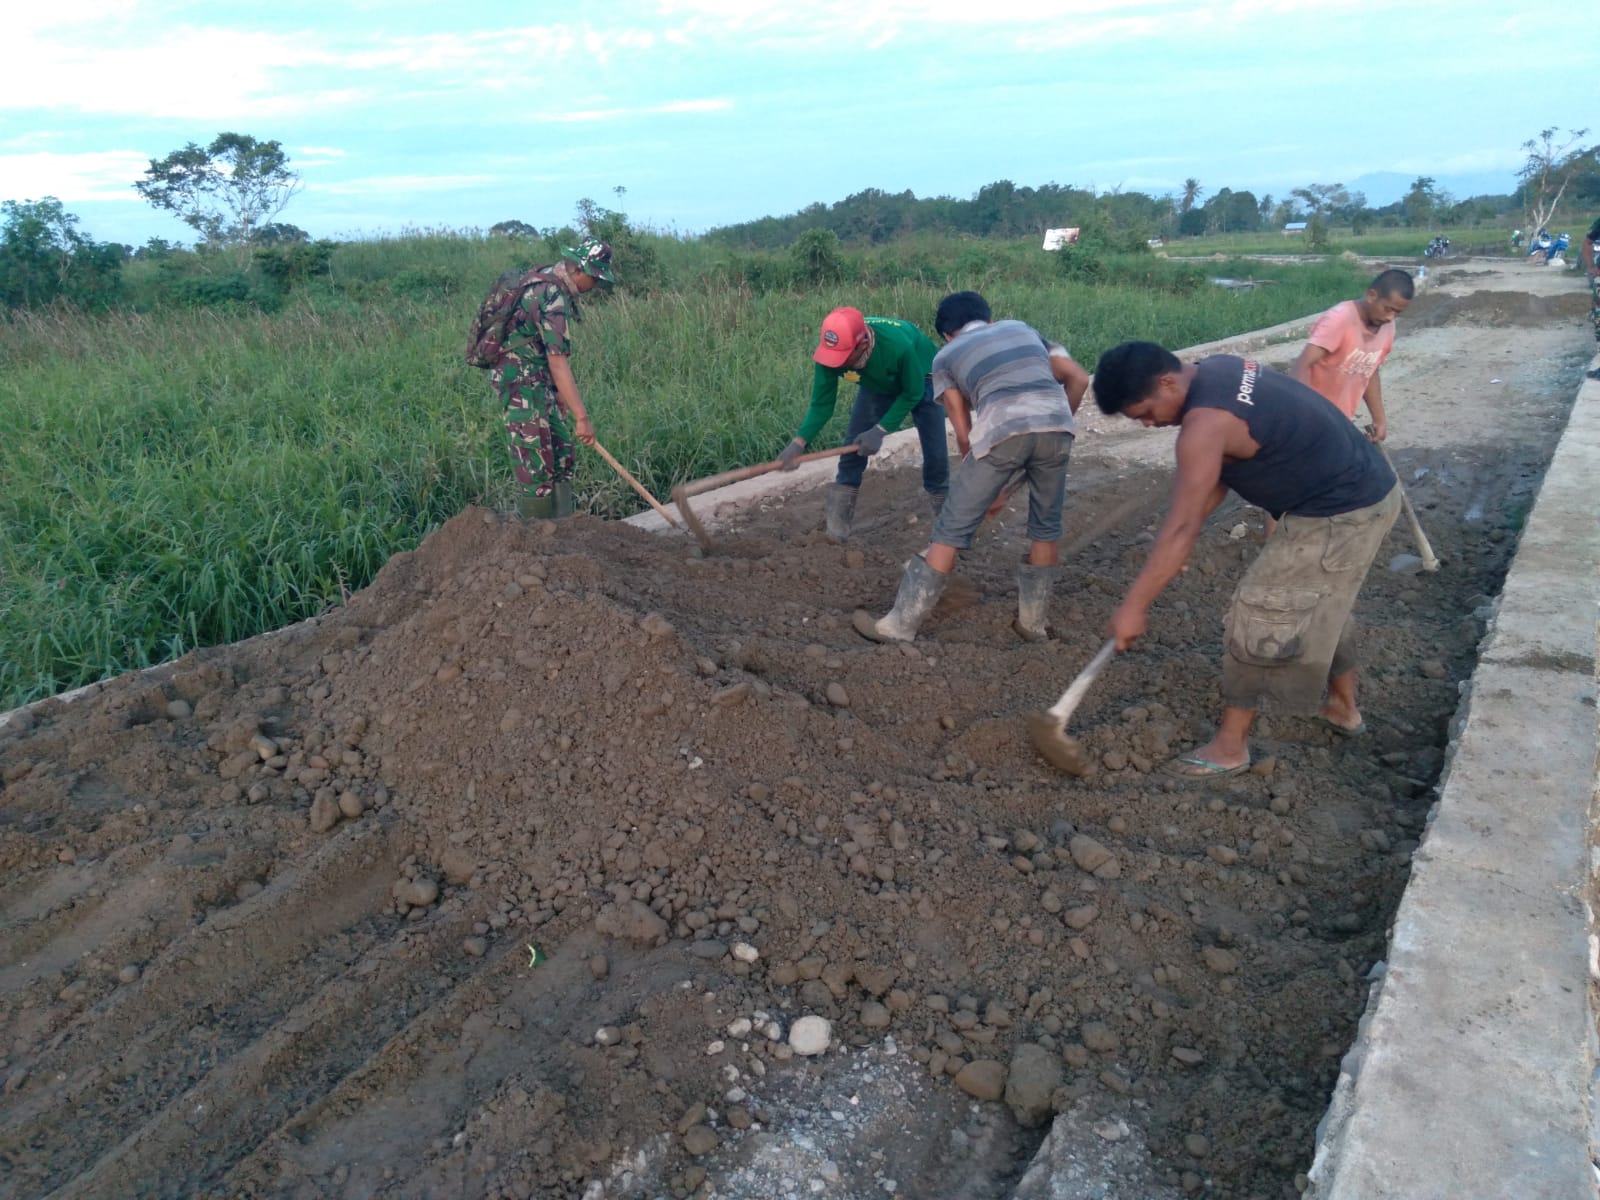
pixel 1056 746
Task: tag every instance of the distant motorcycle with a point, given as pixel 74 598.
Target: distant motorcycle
pixel 1438 248
pixel 1516 240
pixel 1546 247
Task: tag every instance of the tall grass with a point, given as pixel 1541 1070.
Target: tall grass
pixel 190 477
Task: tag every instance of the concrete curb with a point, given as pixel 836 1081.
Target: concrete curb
pixel 1471 1073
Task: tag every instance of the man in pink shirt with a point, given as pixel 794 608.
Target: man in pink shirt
pixel 1348 344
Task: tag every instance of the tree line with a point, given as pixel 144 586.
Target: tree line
pixel 232 191
pixel 1553 173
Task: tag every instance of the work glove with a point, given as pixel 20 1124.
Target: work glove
pixel 790 458
pixel 870 441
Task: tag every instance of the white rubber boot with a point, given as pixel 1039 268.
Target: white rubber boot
pixel 1033 601
pixel 920 588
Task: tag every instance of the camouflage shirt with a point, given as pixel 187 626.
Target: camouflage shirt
pixel 539 324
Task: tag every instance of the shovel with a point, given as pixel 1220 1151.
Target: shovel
pixel 1049 729
pixel 1430 561
pixel 681 493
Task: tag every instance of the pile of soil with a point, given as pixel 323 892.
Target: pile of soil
pixel 1501 309
pixel 514 876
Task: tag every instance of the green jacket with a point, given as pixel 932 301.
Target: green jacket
pixel 899 364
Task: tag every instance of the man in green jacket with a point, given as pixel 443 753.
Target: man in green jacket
pixel 891 360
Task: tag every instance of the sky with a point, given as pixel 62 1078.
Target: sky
pixel 410 114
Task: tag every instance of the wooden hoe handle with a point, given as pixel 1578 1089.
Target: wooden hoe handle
pixel 712 482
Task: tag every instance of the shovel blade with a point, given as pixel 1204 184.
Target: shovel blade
pixel 1051 740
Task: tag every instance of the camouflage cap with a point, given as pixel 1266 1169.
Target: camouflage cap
pixel 593 258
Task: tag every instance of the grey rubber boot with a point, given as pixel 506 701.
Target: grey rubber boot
pixel 563 500
pixel 1033 601
pixel 920 588
pixel 536 508
pixel 839 510
pixel 936 503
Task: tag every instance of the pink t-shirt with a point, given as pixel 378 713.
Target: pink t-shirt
pixel 1354 355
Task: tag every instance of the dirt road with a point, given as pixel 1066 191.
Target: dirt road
pixel 512 877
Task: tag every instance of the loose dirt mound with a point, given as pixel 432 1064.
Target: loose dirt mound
pixel 1501 309
pixel 267 915
pixel 269 911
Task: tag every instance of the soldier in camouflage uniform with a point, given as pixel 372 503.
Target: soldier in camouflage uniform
pixel 1590 257
pixel 533 380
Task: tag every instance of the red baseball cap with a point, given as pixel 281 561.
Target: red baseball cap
pixel 841 330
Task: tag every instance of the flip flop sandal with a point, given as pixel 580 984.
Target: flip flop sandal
pixel 1200 768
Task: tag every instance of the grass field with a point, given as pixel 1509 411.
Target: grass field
pixel 1398 243
pixel 193 476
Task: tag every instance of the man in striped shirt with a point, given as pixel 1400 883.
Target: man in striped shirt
pixel 1010 396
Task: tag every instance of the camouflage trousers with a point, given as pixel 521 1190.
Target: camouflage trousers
pixel 1594 304
pixel 538 434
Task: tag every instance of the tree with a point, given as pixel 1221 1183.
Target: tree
pixel 1322 198
pixel 634 258
pixel 513 228
pixel 1192 223
pixel 276 233
pixel 1191 195
pixel 1585 188
pixel 1546 173
pixel 223 191
pixel 1423 201
pixel 1232 212
pixel 43 258
pixel 1317 234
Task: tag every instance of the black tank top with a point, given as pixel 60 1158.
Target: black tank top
pixel 1313 461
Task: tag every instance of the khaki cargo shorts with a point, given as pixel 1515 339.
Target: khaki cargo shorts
pixel 1289 625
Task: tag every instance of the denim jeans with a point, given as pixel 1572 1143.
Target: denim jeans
pixel 927 416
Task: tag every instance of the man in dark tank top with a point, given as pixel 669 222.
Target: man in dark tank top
pixel 1282 447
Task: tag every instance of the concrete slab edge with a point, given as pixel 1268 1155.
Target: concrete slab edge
pixel 1473 1067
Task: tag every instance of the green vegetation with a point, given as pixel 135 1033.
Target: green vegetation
pixel 1378 243
pixel 196 474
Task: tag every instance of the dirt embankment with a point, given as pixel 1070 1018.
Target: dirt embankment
pixel 267 916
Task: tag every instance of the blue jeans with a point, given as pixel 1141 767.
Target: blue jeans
pixel 927 416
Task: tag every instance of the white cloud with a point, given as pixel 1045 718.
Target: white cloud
pixel 395 184
pixel 196 74
pixel 22 20
pixel 215 73
pixel 711 104
pixel 72 178
pixel 307 157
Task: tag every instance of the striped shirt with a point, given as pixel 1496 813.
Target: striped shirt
pixel 1003 370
